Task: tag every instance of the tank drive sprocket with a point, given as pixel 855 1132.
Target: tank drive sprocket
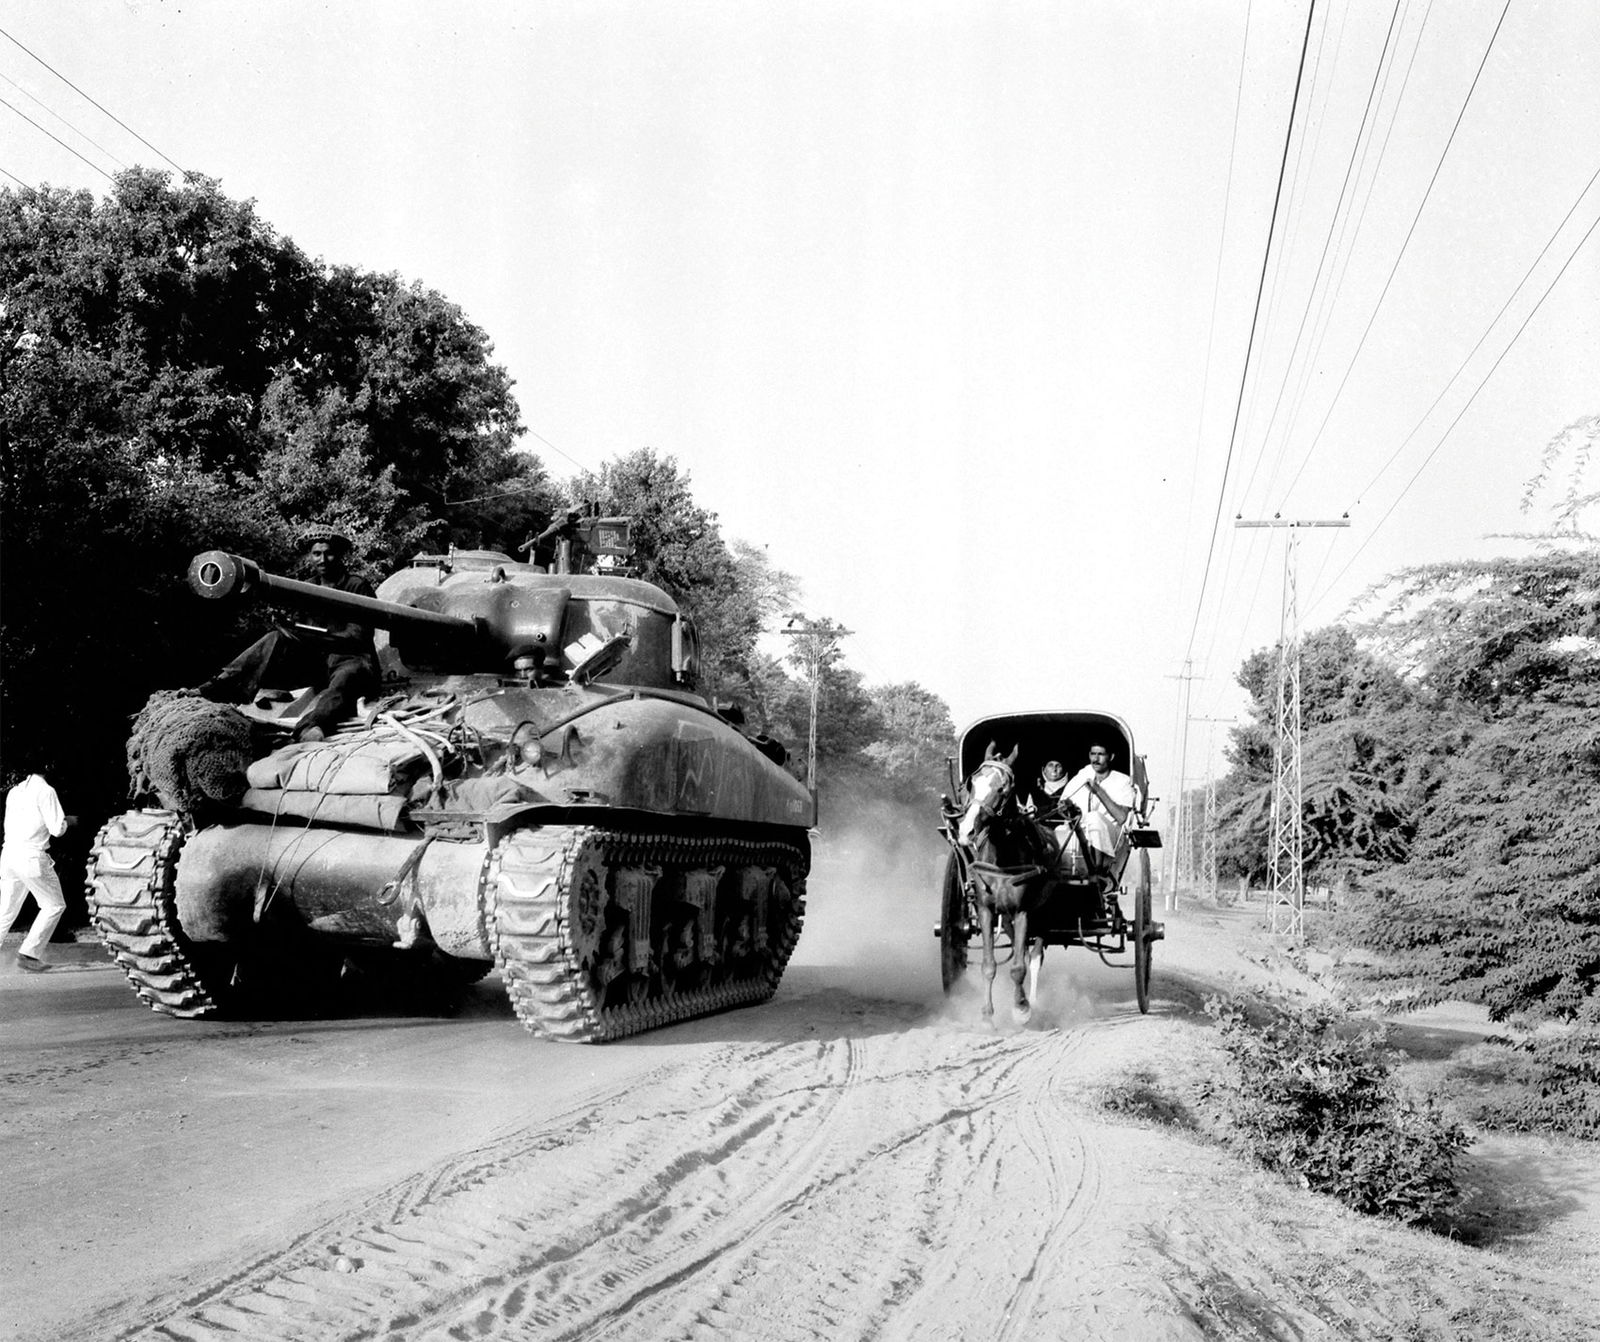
pixel 603 933
pixel 132 871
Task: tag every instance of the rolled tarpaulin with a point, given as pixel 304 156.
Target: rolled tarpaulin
pixel 385 813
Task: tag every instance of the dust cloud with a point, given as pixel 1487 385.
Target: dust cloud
pixel 872 904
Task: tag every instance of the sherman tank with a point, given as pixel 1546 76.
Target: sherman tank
pixel 538 788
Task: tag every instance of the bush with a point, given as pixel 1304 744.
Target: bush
pixel 1316 1102
pixel 1549 1083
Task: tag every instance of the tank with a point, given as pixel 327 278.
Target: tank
pixel 538 788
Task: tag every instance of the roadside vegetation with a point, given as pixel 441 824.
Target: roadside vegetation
pixel 1451 767
pixel 1312 1095
pixel 177 376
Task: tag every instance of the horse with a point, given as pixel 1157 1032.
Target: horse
pixel 1010 857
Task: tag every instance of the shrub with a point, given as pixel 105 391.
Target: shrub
pixel 1549 1083
pixel 1312 1100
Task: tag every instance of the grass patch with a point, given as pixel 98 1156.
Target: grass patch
pixel 1547 1083
pixel 1139 1095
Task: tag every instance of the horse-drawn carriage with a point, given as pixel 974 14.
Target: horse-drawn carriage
pixel 1065 863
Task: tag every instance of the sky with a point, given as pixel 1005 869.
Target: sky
pixel 953 307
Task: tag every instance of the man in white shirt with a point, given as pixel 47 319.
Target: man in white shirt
pixel 1105 796
pixel 33 818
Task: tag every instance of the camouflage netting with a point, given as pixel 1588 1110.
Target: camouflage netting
pixel 188 751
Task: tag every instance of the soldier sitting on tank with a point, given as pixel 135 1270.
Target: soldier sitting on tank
pixel 337 660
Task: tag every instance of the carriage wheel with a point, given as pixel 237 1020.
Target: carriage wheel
pixel 1142 940
pixel 953 925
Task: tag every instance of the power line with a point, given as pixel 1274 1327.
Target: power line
pixel 56 138
pixel 125 126
pixel 1493 322
pixel 1451 427
pixel 1410 232
pixel 57 115
pixel 582 466
pixel 1297 188
pixel 503 494
pixel 1255 316
pixel 13 176
pixel 1216 284
pixel 1329 298
pixel 1331 293
pixel 1394 456
pixel 1322 259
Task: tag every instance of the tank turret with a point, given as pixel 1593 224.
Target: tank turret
pixel 482 612
pixel 537 787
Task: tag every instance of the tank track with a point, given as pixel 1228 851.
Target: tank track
pixel 132 867
pixel 529 904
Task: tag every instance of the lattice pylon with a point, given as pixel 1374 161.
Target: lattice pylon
pixel 1181 841
pixel 1286 912
pixel 1208 840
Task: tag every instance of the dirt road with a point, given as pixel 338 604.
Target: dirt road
pixel 860 1159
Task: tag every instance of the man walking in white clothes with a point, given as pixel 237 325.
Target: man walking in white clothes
pixel 33 818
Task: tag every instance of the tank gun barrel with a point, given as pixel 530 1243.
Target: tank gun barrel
pixel 220 576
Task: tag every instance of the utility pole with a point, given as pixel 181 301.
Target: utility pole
pixel 1181 837
pixel 1208 833
pixel 1286 854
pixel 818 647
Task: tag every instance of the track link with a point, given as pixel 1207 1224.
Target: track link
pixel 535 882
pixel 130 889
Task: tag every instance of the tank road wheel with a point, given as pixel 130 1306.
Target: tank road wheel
pixel 1144 931
pixel 132 868
pixel 600 934
pixel 952 926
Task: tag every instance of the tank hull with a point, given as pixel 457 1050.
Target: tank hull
pixel 599 932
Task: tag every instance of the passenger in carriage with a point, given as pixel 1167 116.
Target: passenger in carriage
pixel 1105 796
pixel 1045 795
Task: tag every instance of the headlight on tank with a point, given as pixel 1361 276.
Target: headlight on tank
pixel 527 749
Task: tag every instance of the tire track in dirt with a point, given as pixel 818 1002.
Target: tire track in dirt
pixel 671 1206
pixel 1071 1174
pixel 608 1173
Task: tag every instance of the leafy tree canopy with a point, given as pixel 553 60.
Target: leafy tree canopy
pixel 1450 760
pixel 174 375
pixel 732 592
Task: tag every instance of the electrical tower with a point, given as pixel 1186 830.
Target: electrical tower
pixel 1286 850
pixel 1208 841
pixel 1182 837
pixel 1208 832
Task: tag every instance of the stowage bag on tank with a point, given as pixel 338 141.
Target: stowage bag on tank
pixel 368 812
pixel 356 769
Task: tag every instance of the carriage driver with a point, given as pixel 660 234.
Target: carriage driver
pixel 1106 798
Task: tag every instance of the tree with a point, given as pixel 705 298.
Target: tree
pixel 174 375
pixel 917 736
pixel 679 546
pixel 1500 900
pixel 1452 757
pixel 1361 774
